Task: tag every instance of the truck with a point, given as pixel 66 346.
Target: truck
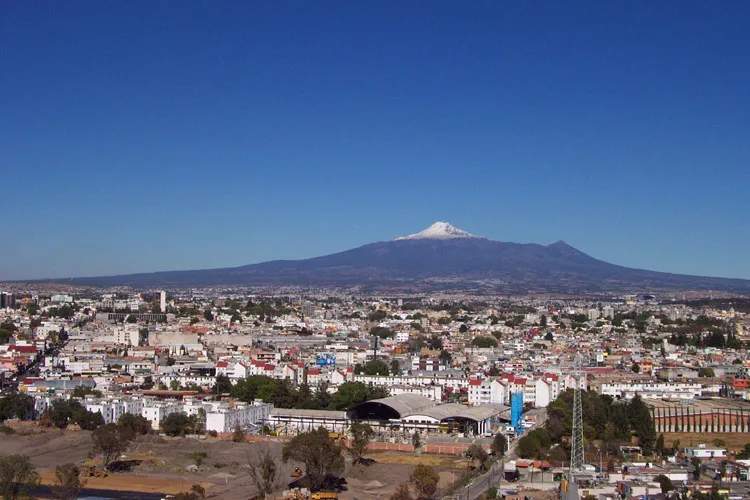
pixel 324 495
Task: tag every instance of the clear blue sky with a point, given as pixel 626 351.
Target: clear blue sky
pixel 142 136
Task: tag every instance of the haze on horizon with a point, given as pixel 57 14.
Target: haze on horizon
pixel 154 137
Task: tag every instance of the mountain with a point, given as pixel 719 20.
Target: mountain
pixel 439 231
pixel 441 257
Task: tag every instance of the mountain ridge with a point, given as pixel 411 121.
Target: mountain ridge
pixel 458 261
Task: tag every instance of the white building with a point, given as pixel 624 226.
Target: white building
pixel 226 419
pixel 163 301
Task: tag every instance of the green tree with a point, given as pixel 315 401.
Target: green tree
pixel 425 481
pixel 362 434
pixel 208 315
pixel 382 332
pixel 111 441
pixel 484 342
pixel 68 482
pixel 642 424
pixel 707 372
pixel 659 446
pixel 18 477
pixel 135 424
pixel 499 444
pixel 320 455
pixel 665 483
pixel 17 405
pixel 376 367
pixel 176 424
pixel 353 393
pixel 223 385
pixel 395 366
pixel 445 357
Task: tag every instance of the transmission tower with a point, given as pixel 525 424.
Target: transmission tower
pixel 576 449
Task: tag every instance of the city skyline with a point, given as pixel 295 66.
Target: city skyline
pixel 144 138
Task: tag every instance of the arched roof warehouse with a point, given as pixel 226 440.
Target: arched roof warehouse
pixel 453 411
pixel 393 407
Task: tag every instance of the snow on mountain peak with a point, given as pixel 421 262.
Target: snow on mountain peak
pixel 439 231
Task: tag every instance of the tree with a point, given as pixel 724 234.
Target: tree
pixel 642 424
pixel 382 332
pixel 111 441
pixel 361 436
pixel 425 481
pixel 197 492
pixel 707 372
pixel 478 454
pixel 176 424
pixel 376 367
pixel 136 424
pixel 198 457
pixel 402 493
pixel 18 477
pixel 549 337
pixel 264 471
pixel 499 444
pixel 636 368
pixel 395 366
pixel 320 455
pixel 659 446
pixel 484 342
pixel 68 482
pixel 416 442
pixel 16 405
pixel 445 357
pixel 223 385
pixel 238 436
pixel 208 315
pixel 665 483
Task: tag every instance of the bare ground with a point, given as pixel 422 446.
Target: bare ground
pixel 163 465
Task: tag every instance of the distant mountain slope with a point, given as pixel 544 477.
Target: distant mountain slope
pixel 435 261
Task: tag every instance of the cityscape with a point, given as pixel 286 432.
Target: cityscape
pixel 375 251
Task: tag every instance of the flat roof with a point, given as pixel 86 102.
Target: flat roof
pixel 297 412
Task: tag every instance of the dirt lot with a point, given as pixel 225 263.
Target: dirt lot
pixel 735 441
pixel 161 465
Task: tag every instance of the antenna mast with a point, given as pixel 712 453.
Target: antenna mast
pixel 576 449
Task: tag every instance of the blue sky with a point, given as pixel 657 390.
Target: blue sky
pixel 142 136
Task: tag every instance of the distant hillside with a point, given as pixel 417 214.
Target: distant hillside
pixel 445 258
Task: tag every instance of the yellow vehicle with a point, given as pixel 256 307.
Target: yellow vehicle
pixel 94 471
pixel 324 495
pixel 297 472
pixel 335 435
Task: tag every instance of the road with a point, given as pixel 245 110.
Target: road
pixel 494 475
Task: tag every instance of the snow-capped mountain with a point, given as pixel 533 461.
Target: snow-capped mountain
pixel 439 231
pixel 439 258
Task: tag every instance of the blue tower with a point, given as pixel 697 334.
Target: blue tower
pixel 516 410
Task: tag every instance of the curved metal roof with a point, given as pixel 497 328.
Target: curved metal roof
pixel 395 406
pixel 453 411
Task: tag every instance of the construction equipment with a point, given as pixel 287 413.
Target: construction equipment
pixel 335 435
pixel 324 495
pixel 297 472
pixel 94 471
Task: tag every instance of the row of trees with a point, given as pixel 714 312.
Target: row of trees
pixel 282 394
pixel 608 421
